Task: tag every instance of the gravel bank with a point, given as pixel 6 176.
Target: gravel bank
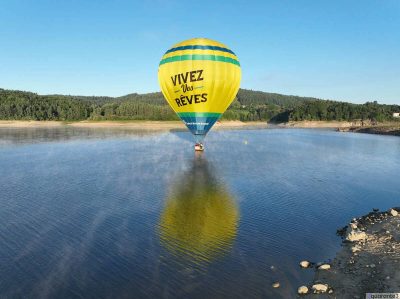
pixel 369 261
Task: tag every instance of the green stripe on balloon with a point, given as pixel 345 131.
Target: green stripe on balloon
pixel 199 57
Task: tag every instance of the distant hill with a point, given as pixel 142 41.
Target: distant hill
pixel 244 97
pixel 249 105
pixel 251 97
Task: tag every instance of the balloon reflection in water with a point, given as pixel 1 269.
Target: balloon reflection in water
pixel 200 218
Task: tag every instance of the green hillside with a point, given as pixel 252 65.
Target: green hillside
pixel 249 105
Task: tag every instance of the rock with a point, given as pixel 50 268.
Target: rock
pixel 353 225
pixel 342 231
pixel 393 212
pixel 320 288
pixel 330 291
pixel 324 267
pixel 355 249
pixel 372 265
pixel 276 285
pixel 356 235
pixel 304 264
pixel 302 290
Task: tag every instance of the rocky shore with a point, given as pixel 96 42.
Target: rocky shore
pixel 369 261
pixel 357 126
pixel 382 130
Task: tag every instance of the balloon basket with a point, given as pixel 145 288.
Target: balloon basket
pixel 199 147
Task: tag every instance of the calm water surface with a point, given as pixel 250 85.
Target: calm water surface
pixel 92 213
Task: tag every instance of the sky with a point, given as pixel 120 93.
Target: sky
pixel 345 50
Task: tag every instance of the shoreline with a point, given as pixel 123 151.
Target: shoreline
pixel 367 127
pixel 386 128
pixel 368 261
pixel 317 124
pixel 379 130
pixel 140 125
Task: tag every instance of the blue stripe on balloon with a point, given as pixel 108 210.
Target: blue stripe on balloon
pixel 199 125
pixel 200 47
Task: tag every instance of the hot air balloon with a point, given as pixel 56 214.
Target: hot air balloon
pixel 199 221
pixel 199 78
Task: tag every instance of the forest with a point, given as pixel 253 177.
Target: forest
pixel 341 111
pixel 249 105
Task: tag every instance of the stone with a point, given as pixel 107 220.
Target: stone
pixel 353 225
pixel 356 235
pixel 393 212
pixel 304 264
pixel 320 288
pixel 355 249
pixel 302 290
pixel 276 285
pixel 324 267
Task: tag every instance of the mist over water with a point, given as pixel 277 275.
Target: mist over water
pixel 94 213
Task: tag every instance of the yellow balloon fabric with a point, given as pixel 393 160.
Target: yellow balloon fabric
pixel 199 78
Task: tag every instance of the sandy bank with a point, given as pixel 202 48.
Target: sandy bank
pixel 137 125
pixel 319 124
pixel 29 124
pixel 145 125
pixel 369 260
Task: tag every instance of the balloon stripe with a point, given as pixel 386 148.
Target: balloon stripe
pixel 200 57
pixel 199 52
pixel 199 125
pixel 200 47
pixel 199 114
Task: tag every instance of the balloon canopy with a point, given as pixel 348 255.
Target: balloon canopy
pixel 199 78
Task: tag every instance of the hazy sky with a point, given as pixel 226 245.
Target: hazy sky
pixel 344 50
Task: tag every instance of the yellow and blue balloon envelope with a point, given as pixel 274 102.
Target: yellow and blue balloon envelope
pixel 199 78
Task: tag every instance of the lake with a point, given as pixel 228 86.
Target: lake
pixel 113 213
